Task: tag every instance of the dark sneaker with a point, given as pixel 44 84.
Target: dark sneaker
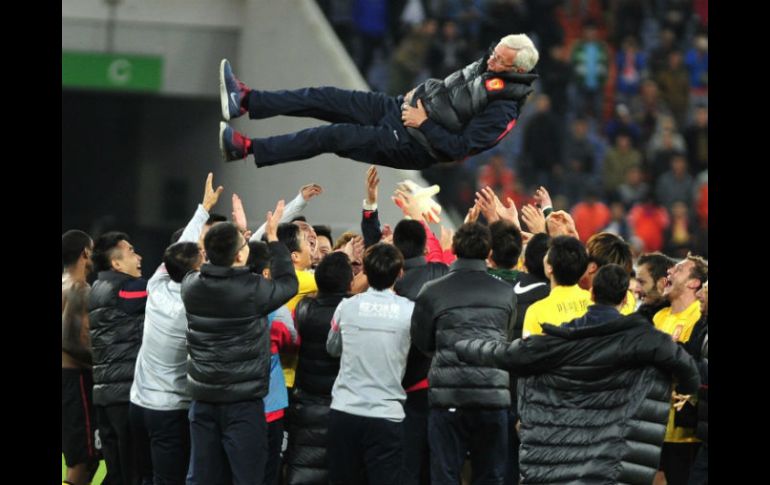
pixel 231 91
pixel 232 145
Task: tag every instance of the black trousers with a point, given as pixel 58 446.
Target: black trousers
pixel 125 448
pixel 416 450
pixel 169 435
pixel 365 126
pixel 453 432
pixel 227 436
pixel 274 462
pixel 360 446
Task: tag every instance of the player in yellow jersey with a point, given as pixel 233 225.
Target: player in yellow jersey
pixel 684 281
pixel 605 248
pixel 565 263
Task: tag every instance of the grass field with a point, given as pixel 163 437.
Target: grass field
pixel 97 478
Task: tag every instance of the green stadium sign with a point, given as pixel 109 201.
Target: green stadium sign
pixel 111 71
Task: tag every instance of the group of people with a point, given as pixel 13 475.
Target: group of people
pixel 391 356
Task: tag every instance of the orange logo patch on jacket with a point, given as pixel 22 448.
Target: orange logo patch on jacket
pixel 494 84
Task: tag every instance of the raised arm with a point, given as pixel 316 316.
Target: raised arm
pixel 293 208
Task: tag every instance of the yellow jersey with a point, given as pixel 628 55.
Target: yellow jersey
pixel 565 303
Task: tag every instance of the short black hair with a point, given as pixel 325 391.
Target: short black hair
pixel 325 231
pixel 382 265
pixel 298 218
pixel 222 243
pixel 288 235
pixel 605 248
pixel 259 256
pixel 409 237
pixel 657 263
pixel 104 247
pixel 472 241
pixel 536 249
pixel 506 243
pixel 568 259
pixel 215 217
pixel 610 285
pixel 176 235
pixel 180 259
pixel 334 273
pixel 73 243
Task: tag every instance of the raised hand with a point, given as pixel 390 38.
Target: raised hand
pixel 372 182
pixel 486 201
pixel 543 198
pixel 472 215
pixel 310 190
pixel 533 218
pixel 239 215
pixel 508 212
pixel 272 219
pixel 560 223
pixel 210 196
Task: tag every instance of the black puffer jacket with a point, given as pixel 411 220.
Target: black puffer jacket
pixel 455 100
pixel 595 400
pixel 466 303
pixel 306 459
pixel 417 272
pixel 228 336
pixel 116 313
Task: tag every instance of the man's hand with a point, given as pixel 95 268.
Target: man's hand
pixel 680 400
pixel 272 219
pixel 372 182
pixel 560 223
pixel 387 234
pixel 210 196
pixel 533 218
pixel 509 212
pixel 413 117
pixel 485 200
pixel 239 215
pixel 310 190
pixel 472 215
pixel 543 198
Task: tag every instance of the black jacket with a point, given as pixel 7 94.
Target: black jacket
pixel 595 400
pixel 316 369
pixel 417 272
pixel 463 95
pixel 228 335
pixel 306 460
pixel 466 303
pixel 116 313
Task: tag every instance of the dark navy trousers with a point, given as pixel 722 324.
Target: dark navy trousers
pixel 365 126
pixel 452 433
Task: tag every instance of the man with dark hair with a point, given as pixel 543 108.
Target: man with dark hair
pixel 370 331
pixel 306 456
pixel 684 280
pixel 565 263
pixel 593 393
pixel 609 292
pixel 77 433
pixel 466 113
pixel 323 243
pixel 410 238
pixel 159 397
pixel 652 274
pixel 228 346
pixel 296 240
pixel 469 404
pixel 116 312
pixel 605 248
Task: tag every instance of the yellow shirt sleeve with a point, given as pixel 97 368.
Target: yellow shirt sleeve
pixel 531 321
